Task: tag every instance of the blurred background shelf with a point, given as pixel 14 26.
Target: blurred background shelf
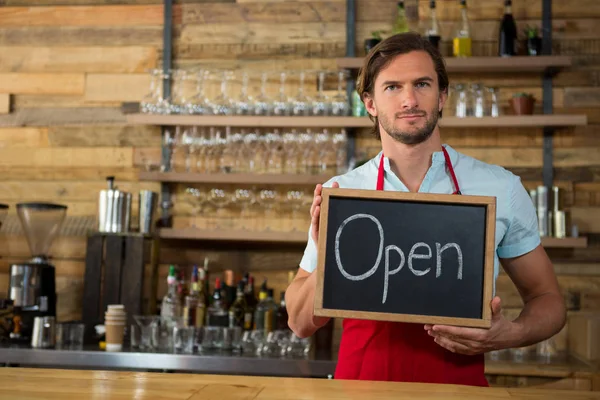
pixel 234 235
pixel 258 179
pixel 568 242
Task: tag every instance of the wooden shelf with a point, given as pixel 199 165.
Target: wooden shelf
pixel 487 64
pixel 569 242
pixel 509 121
pixel 234 235
pixel 258 179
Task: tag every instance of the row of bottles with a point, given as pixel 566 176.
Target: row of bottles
pixel 230 305
pixel 461 39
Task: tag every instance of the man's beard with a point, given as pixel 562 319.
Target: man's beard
pixel 411 137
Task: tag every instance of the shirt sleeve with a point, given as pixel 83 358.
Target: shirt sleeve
pixel 522 235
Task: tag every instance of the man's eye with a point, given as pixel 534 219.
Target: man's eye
pixel 391 87
pixel 423 84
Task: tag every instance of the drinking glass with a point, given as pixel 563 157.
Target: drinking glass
pixel 219 199
pixel 223 104
pixel 301 104
pixel 274 144
pixel 295 200
pixel 339 103
pixel 281 103
pixel 478 100
pixel 320 104
pixel 146 324
pixel 184 338
pixel 212 337
pixel 494 102
pixel 290 150
pixel 263 104
pixel 268 200
pixel 200 104
pixel 244 104
pixel 243 199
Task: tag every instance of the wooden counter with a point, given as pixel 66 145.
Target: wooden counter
pixel 43 384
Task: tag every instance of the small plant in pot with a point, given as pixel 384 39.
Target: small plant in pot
pixel 522 103
pixel 373 41
pixel 533 41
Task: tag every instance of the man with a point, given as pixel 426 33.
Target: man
pixel 404 86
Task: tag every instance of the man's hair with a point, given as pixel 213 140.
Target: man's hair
pixel 382 54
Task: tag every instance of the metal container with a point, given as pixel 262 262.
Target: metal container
pixel 559 224
pixel 543 226
pixel 147 204
pixel 126 221
pixel 44 332
pixel 25 284
pixel 542 198
pixel 105 206
pixel 114 209
pixel 557 199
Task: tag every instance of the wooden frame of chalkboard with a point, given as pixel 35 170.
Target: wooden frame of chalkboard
pixel 485 208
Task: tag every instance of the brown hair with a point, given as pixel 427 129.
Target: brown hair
pixel 382 54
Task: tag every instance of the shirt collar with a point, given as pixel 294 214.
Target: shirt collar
pixel 437 158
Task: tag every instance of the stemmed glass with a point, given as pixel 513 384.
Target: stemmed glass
pixel 219 199
pixel 274 144
pixel 223 104
pixel 281 104
pixel 243 198
pixel 197 199
pixel 263 104
pixel 199 103
pixel 320 104
pixel 268 200
pixel 339 103
pixel 180 103
pixel 295 200
pixel 243 106
pixel 290 149
pixel 160 103
pixel 148 103
pixel 301 104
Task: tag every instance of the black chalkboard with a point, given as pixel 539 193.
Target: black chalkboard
pixel 410 257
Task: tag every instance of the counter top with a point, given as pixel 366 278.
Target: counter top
pixel 236 364
pixel 47 384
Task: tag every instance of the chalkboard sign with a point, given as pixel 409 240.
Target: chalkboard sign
pixel 410 257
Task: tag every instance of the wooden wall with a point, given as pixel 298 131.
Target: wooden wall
pixel 69 64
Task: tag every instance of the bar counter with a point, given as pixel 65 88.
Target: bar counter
pixel 46 384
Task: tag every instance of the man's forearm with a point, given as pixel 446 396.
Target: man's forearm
pixel 300 308
pixel 541 318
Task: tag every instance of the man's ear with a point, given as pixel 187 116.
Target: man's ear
pixel 442 99
pixel 370 104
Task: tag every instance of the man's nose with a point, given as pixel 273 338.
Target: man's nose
pixel 409 98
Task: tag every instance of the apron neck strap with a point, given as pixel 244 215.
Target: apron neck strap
pixel 381 171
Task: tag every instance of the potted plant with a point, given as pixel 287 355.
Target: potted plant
pixel 522 103
pixel 373 41
pixel 533 41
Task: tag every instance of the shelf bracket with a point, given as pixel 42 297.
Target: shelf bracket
pixel 165 189
pixel 351 82
pixel 548 156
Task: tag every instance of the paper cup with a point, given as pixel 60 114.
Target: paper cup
pixel 114 335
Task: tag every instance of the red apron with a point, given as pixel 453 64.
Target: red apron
pixel 404 352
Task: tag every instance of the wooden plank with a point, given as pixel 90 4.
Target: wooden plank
pixel 586 218
pixel 257 121
pixel 486 64
pixel 82 36
pixel 229 235
pixel 24 101
pixel 64 268
pixel 258 32
pixel 123 59
pixel 66 157
pixel 42 83
pixel 4 103
pixel 582 97
pixel 193 52
pixel 90 306
pixel 104 136
pixel 113 264
pixel 63 116
pixel 64 190
pixel 16 247
pixel 23 173
pixel 23 137
pixel 261 179
pixel 272 12
pixel 570 242
pixel 132 277
pixel 116 87
pixel 97 15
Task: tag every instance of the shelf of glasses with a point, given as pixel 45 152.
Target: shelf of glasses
pixel 257 179
pixel 508 121
pixel 487 64
pixel 568 242
pixel 233 235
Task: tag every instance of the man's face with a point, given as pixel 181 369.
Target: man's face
pixel 406 98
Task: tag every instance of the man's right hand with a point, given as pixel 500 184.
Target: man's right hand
pixel 315 211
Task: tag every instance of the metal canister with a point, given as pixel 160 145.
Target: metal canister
pixel 543 225
pixel 44 332
pixel 542 198
pixel 560 224
pixel 105 206
pixel 126 224
pixel 557 198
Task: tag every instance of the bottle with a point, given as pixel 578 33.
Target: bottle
pixel 433 32
pixel 216 314
pixel 202 304
pixel 194 310
pixel 462 38
pixel 206 280
pixel 229 289
pixel 508 32
pixel 400 23
pixel 261 308
pixel 182 289
pixel 170 307
pixel 270 312
pixel 251 303
pixel 237 311
pixel 282 314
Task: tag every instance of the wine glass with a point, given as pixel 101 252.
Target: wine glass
pixel 301 105
pixel 243 199
pixel 263 104
pixel 320 104
pixel 295 200
pixel 268 200
pixel 290 149
pixel 339 103
pixel 199 103
pixel 281 104
pixel 223 104
pixel 196 199
pixel 219 199
pixel 243 106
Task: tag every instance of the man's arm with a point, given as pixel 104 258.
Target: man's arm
pixel 544 311
pixel 300 299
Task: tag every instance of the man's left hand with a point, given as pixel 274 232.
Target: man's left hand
pixel 473 341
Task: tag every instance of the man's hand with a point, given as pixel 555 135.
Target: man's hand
pixel 502 334
pixel 315 211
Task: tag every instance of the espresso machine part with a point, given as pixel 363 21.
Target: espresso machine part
pixel 44 332
pixel 32 285
pixel 114 209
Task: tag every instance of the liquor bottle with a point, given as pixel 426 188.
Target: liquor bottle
pixel 202 304
pixel 270 312
pixel 251 303
pixel 508 32
pixel 282 314
pixel 433 31
pixel 401 22
pixel 170 307
pixel 229 289
pixel 182 289
pixel 237 311
pixel 216 314
pixel 206 280
pixel 194 310
pixel 462 38
pixel 261 308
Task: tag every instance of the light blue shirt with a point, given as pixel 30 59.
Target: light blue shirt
pixel 516 220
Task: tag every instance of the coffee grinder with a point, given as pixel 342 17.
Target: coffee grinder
pixel 32 285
